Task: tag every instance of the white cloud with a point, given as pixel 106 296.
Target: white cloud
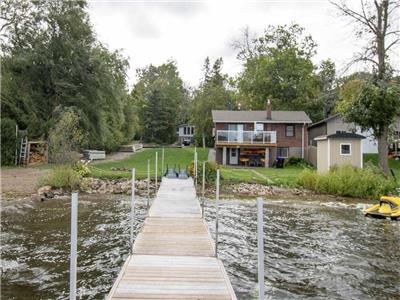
pixel 155 31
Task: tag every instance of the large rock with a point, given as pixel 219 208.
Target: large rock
pixel 45 192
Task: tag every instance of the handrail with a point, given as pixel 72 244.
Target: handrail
pixel 246 137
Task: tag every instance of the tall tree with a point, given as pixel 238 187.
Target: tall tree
pixel 212 93
pixel 377 104
pixel 159 94
pixel 328 86
pixel 51 59
pixel 278 66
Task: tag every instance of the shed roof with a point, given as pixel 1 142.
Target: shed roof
pixel 277 116
pixel 340 135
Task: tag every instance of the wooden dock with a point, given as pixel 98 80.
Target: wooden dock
pixel 173 256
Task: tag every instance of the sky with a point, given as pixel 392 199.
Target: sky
pixel 189 31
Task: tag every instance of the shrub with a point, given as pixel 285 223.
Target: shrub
pixel 62 177
pixel 81 168
pixel 348 181
pixel 297 161
pixel 211 171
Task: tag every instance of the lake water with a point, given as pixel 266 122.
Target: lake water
pixel 312 250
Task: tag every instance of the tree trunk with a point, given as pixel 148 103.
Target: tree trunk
pixel 204 140
pixel 383 150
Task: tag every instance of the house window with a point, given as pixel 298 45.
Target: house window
pixel 232 127
pixel 259 127
pixel 283 152
pixel 345 149
pixel 289 130
pixel 184 130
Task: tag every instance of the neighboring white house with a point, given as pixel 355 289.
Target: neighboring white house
pixel 335 123
pixel 185 133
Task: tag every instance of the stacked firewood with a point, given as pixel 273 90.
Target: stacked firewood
pixel 36 157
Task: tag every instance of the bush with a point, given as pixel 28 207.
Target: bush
pixel 81 168
pixel 65 137
pixel 348 181
pixel 297 161
pixel 211 171
pixel 8 141
pixel 62 177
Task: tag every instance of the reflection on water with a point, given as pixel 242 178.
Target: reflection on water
pixel 312 251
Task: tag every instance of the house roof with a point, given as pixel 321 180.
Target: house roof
pixel 323 121
pixel 277 116
pixel 184 125
pixel 340 135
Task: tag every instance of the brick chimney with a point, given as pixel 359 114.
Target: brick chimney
pixel 269 109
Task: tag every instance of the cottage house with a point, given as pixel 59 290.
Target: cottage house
pixel 185 133
pixel 257 138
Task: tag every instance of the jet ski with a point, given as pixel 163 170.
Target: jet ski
pixel 388 208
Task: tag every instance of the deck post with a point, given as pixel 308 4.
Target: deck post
pixel 216 213
pixel 162 162
pixel 148 184
pixel 132 209
pixel 156 169
pixel 203 188
pixel 74 240
pixel 260 246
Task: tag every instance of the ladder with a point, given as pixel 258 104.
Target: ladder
pixel 23 151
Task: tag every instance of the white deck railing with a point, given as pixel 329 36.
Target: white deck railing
pixel 246 137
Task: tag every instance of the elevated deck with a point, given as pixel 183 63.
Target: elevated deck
pixel 173 255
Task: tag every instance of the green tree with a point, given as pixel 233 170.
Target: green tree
pixel 278 66
pixel 377 104
pixel 8 141
pixel 159 96
pixel 51 59
pixel 211 94
pixel 328 87
pixel 65 137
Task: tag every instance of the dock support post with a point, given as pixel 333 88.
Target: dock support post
pixel 216 213
pixel 260 246
pixel 162 162
pixel 195 170
pixel 203 188
pixel 74 240
pixel 156 169
pixel 148 184
pixel 132 209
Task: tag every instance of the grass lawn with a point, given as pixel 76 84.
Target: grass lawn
pixel 183 156
pixel 172 156
pixel 286 176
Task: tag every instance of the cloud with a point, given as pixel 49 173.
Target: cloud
pixel 155 31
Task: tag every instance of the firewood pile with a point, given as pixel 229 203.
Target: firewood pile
pixel 37 152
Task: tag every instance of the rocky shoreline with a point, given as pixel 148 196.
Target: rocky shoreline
pixel 123 186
